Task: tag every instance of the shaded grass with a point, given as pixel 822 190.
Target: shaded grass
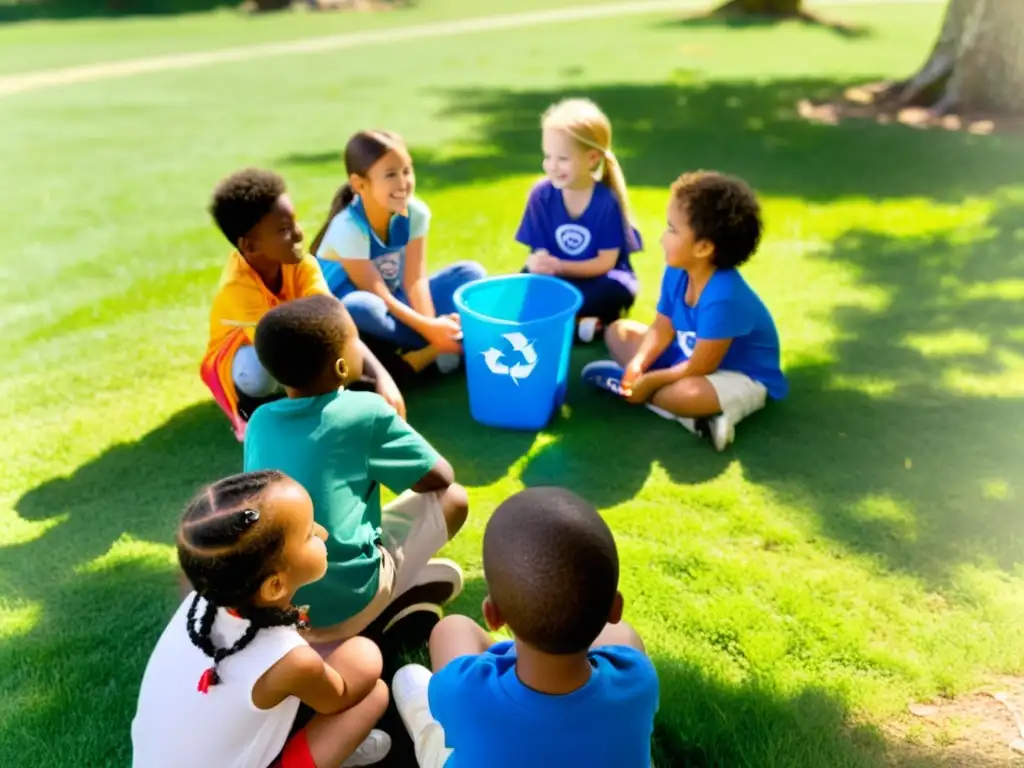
pixel 858 546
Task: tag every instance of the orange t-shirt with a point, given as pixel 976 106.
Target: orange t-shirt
pixel 241 300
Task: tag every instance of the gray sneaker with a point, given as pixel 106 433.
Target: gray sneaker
pixel 374 748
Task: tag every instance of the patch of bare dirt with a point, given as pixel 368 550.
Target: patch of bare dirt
pixel 870 102
pixel 984 729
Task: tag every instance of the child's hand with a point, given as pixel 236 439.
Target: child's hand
pixel 633 371
pixel 642 388
pixel 444 334
pixel 541 262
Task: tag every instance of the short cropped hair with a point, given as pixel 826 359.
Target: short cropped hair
pixel 300 339
pixel 723 210
pixel 552 569
pixel 242 199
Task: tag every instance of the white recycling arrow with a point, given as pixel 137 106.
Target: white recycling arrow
pixel 522 345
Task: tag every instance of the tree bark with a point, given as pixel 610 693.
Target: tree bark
pixel 976 64
pixel 771 7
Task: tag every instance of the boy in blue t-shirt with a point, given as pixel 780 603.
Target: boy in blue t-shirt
pixel 712 355
pixel 575 686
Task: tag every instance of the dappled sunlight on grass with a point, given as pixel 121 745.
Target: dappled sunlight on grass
pixel 128 550
pixel 17 618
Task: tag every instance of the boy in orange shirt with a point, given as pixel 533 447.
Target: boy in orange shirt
pixel 253 211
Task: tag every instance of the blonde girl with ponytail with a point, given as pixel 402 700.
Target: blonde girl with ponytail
pixel 577 221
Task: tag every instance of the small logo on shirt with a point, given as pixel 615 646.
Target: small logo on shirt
pixel 687 342
pixel 572 239
pixel 388 266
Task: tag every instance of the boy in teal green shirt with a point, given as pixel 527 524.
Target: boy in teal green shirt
pixel 341 446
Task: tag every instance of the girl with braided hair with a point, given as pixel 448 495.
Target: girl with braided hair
pixel 231 681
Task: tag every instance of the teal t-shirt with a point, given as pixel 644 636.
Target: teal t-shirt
pixel 341 447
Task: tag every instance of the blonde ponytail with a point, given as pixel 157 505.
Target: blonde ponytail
pixel 613 177
pixel 590 128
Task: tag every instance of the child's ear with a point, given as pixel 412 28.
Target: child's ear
pixel 615 614
pixel 357 182
pixel 492 616
pixel 704 249
pixel 246 246
pixel 273 588
pixel 593 158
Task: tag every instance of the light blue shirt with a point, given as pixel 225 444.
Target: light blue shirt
pixel 350 236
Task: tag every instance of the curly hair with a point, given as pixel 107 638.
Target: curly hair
pixel 300 339
pixel 723 210
pixel 242 199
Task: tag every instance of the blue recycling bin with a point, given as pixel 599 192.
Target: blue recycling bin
pixel 517 338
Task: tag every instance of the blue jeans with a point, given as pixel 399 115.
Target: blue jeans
pixel 371 316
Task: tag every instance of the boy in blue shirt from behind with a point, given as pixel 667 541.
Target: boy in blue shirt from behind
pixel 711 357
pixel 575 687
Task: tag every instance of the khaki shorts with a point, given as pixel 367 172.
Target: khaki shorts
pixel 738 394
pixel 413 529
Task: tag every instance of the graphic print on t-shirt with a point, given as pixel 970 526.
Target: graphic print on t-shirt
pixel 390 267
pixel 572 239
pixel 687 341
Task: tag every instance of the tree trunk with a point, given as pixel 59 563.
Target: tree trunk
pixel 977 63
pixel 770 7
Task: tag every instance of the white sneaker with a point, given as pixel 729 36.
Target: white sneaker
pixel 409 692
pixel 448 362
pixel 445 573
pixel 587 328
pixel 718 430
pixel 374 748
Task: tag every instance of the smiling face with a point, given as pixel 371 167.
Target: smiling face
pixel 566 164
pixel 276 238
pixel 389 183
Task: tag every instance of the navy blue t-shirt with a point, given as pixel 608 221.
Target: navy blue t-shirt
pixel 728 308
pixel 491 719
pixel 547 224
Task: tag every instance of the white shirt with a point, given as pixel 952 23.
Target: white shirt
pixel 175 725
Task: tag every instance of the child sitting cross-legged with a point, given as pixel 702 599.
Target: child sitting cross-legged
pixel 231 682
pixel 342 446
pixel 575 687
pixel 711 356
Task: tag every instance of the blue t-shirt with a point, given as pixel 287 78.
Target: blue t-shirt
pixel 491 719
pixel 547 224
pixel 728 308
pixel 350 236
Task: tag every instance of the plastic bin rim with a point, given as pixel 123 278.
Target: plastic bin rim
pixel 460 305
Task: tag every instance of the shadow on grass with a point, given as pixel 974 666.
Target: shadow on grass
pixel 750 128
pixel 926 472
pixel 36 10
pixel 730 19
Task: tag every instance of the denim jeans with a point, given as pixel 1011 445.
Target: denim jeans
pixel 371 316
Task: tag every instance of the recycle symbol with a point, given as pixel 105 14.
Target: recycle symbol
pixel 493 358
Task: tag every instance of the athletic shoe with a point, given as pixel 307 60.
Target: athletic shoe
pixel 409 628
pixel 442 572
pixel 374 748
pixel 438 583
pixel 409 692
pixel 448 362
pixel 717 430
pixel 604 374
pixel 587 329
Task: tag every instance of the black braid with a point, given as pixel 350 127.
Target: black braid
pixel 227 555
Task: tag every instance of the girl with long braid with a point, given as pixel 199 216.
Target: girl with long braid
pixel 231 681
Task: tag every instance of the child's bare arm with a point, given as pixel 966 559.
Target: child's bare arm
pixel 318 683
pixel 438 477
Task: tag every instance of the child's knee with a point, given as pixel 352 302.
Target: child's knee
pixel 455 506
pixel 452 629
pixel 378 697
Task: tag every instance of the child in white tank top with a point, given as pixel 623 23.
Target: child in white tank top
pixel 231 683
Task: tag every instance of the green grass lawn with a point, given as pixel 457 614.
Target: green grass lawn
pixel 860 545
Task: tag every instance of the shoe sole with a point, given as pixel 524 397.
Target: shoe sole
pixel 437 571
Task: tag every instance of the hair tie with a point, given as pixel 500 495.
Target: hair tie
pixel 609 156
pixel 251 516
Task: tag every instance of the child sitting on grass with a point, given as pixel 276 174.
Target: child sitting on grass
pixel 231 681
pixel 373 251
pixel 577 223
pixel 574 688
pixel 342 446
pixel 255 214
pixel 712 355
